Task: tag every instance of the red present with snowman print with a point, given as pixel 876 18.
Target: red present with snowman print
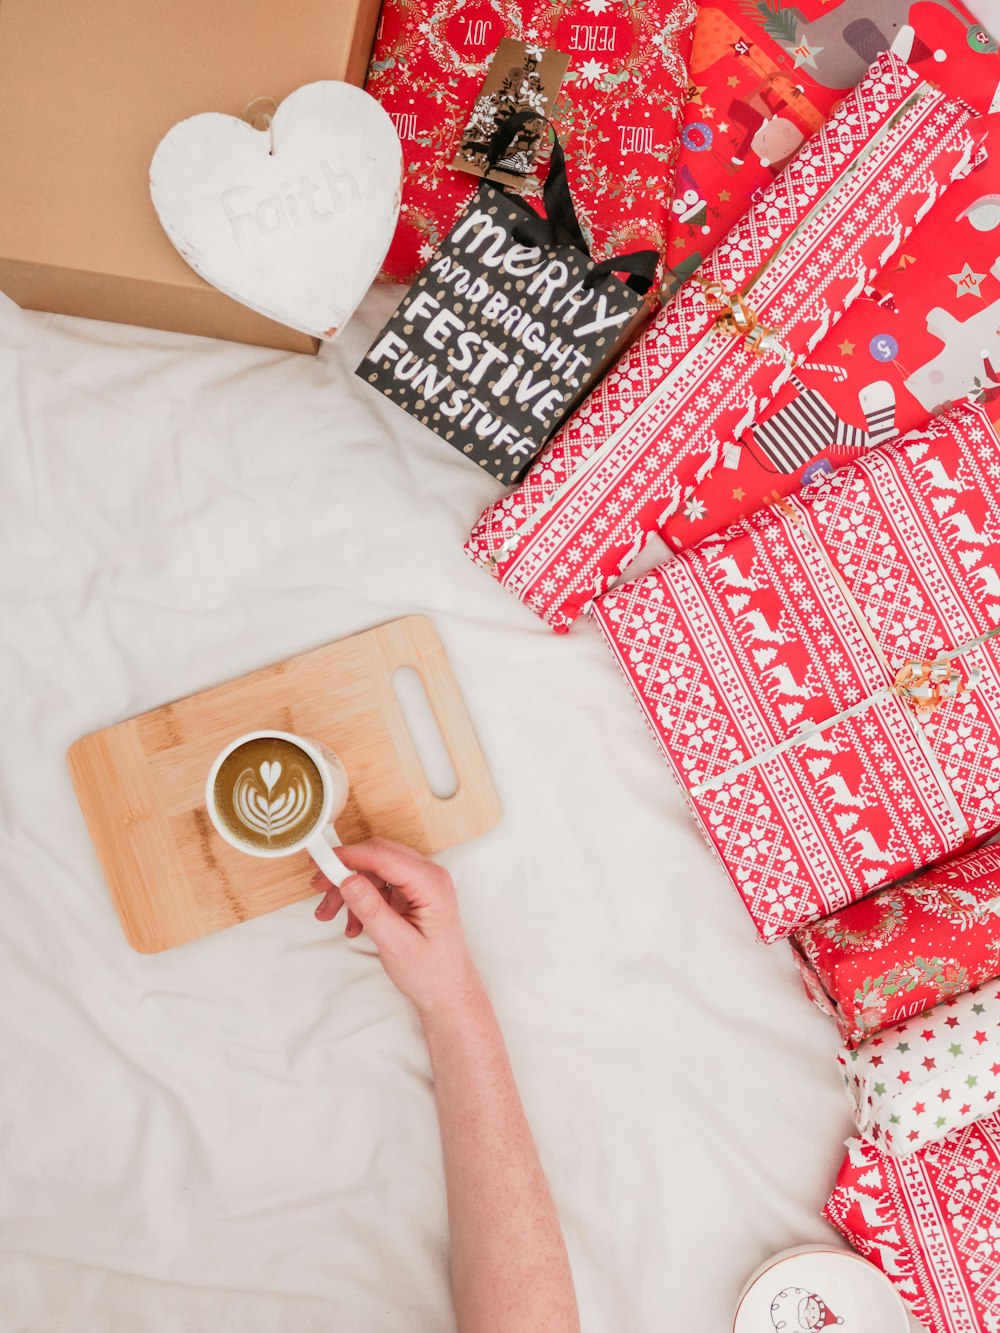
pixel 923 334
pixel 617 113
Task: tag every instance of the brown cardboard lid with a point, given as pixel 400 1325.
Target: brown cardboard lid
pixel 91 86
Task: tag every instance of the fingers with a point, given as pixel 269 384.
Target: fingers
pixel 370 909
pixel 390 861
pixel 332 902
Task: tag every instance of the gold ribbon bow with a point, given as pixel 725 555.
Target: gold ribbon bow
pixel 740 320
pixel 925 686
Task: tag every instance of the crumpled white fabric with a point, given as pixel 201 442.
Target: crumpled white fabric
pixel 241 1133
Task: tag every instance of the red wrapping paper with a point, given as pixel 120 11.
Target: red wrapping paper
pixel 906 948
pixel 658 422
pixel 931 1223
pixel 745 651
pixel 762 79
pixel 617 114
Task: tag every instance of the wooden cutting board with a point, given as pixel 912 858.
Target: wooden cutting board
pixel 141 784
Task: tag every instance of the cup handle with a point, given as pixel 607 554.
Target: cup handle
pixel 319 848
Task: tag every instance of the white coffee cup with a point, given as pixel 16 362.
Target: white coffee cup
pixel 322 836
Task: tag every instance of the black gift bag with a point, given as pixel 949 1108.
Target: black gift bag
pixel 510 324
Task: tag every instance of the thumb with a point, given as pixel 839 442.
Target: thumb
pixel 379 920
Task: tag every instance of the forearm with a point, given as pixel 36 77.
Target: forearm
pixel 509 1268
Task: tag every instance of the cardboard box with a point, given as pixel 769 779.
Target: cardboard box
pixel 90 88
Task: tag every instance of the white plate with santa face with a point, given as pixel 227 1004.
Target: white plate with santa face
pixel 817 1289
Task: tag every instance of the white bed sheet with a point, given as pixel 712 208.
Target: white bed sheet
pixel 240 1133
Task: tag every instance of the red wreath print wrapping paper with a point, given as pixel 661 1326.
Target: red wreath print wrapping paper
pixel 659 421
pixel 929 1076
pixel 906 948
pixel 617 114
pixel 931 1223
pixel 771 664
pixel 764 76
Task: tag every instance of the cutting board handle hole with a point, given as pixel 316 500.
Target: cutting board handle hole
pixel 418 713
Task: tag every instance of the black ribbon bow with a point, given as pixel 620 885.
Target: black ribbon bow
pixel 561 226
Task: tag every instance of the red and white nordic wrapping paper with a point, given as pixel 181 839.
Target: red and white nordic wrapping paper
pixel 617 114
pixel 659 421
pixel 906 948
pixel 929 1076
pixel 931 1223
pixel 771 663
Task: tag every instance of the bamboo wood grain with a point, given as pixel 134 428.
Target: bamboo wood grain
pixel 141 783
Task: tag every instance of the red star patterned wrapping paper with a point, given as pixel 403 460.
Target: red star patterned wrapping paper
pixel 659 421
pixel 924 333
pixel 925 1078
pixel 931 1223
pixel 617 115
pixel 771 665
pixel 906 948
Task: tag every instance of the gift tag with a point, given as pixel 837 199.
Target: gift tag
pixel 293 220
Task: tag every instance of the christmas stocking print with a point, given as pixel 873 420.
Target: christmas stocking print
pixel 808 425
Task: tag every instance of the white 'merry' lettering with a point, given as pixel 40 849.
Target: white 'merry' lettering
pixel 596 37
pixel 405 123
pixel 982 863
pixel 291 209
pixel 483 228
pixel 549 277
pixel 635 139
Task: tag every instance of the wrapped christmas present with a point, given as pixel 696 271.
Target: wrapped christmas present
pixel 659 421
pixel 617 110
pixel 907 948
pixel 764 79
pixel 917 1082
pixel 923 334
pixel 931 1223
pixel 824 676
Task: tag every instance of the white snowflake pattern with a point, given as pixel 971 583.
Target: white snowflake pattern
pixel 592 71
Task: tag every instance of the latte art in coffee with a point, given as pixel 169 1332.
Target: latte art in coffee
pixel 269 793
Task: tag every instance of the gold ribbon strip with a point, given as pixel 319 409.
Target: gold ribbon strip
pixel 739 319
pixel 921 686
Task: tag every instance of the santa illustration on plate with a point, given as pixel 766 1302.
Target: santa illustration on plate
pixel 796 1310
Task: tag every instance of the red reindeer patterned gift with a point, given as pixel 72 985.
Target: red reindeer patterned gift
pixel 931 1223
pixel 906 948
pixel 730 337
pixel 823 677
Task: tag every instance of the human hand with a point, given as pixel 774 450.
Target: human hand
pixel 409 908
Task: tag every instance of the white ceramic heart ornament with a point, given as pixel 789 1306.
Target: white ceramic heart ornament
pixel 293 221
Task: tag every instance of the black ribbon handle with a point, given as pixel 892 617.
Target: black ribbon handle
pixel 561 226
